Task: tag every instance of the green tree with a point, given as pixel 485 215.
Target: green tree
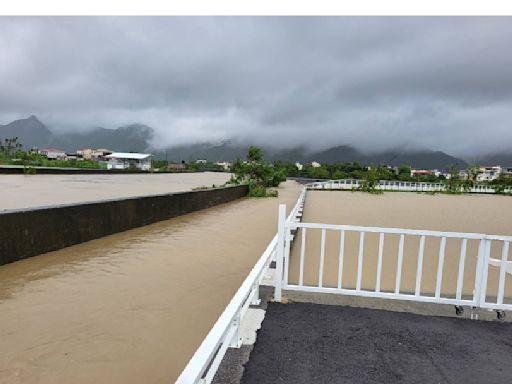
pixel 404 173
pixel 453 183
pixel 339 174
pixel 320 172
pixel 10 147
pixel 255 154
pixel 502 183
pixel 472 177
pixel 259 175
pixel 371 181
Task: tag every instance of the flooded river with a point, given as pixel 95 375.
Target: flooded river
pixel 486 214
pixel 24 191
pixel 131 307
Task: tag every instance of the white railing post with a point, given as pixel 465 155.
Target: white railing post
pixel 503 269
pixel 479 275
pixel 484 271
pixel 280 252
pixel 287 237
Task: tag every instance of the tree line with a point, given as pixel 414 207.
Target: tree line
pixel 12 153
pixel 355 170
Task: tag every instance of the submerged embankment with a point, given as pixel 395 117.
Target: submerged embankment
pixel 134 306
pixel 31 191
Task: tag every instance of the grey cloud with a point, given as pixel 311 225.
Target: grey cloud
pixel 441 83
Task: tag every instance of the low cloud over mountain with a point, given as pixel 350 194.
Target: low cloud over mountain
pixel 375 83
pixel 135 137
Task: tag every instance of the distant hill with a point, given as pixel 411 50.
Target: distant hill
pixel 229 151
pixel 130 138
pixel 503 158
pixel 30 132
pixel 213 152
pixel 417 158
pixel 137 138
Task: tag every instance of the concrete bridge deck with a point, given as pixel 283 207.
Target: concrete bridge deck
pixel 314 343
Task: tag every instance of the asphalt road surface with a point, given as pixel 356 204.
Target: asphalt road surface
pixel 312 343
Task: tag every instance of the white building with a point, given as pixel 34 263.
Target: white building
pixel 121 160
pixel 299 166
pixel 93 154
pixel 53 154
pixel 489 173
pixel 224 164
pixel 84 153
pixel 315 164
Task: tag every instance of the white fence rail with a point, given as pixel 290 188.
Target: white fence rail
pixel 226 331
pixel 478 298
pixel 385 185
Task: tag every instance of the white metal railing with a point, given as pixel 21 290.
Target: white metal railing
pixel 393 185
pixel 226 331
pixel 478 298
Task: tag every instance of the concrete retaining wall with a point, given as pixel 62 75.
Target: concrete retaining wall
pixel 25 233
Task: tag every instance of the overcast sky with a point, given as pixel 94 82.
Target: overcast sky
pixel 439 83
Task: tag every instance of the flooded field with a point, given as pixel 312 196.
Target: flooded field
pixel 131 307
pixel 458 213
pixel 24 191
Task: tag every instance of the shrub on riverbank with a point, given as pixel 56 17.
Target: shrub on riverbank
pixel 371 181
pixel 453 184
pixel 502 185
pixel 259 175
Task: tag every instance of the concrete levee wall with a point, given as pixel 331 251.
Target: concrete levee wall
pixel 30 232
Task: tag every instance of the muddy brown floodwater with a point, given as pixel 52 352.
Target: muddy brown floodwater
pixel 486 214
pixel 131 307
pixel 27 191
